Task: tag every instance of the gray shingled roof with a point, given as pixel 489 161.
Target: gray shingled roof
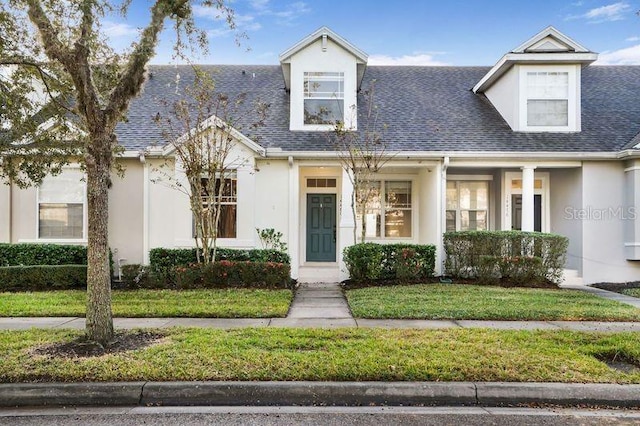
pixel 425 109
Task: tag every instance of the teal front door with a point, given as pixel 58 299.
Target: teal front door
pixel 321 227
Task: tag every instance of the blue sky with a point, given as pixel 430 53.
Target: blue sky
pixel 420 32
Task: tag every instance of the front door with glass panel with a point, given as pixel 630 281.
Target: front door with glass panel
pixel 516 212
pixel 512 213
pixel 321 227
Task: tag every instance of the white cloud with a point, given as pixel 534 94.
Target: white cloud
pixel 291 13
pixel 627 56
pixel 118 29
pixel 416 59
pixel 632 39
pixel 207 12
pixel 608 13
pixel 259 4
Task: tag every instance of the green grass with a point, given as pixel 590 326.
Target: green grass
pixel 634 292
pixel 453 301
pixel 226 303
pixel 335 355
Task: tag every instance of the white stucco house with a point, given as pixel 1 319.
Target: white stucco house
pixel 541 141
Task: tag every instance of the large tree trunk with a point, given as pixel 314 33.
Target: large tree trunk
pixel 99 324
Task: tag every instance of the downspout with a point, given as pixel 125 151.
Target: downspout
pixel 145 209
pixel 9 203
pixel 443 211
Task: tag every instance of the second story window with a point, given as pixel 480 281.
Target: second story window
pixel 323 97
pixel 548 99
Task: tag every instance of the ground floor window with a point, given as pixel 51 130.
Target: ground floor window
pixel 61 205
pixel 227 225
pixel 388 212
pixel 467 205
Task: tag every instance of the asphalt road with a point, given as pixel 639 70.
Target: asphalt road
pixel 325 416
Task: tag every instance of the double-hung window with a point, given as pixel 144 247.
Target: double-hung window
pixel 228 203
pixel 61 206
pixel 547 99
pixel 467 205
pixel 323 97
pixel 388 210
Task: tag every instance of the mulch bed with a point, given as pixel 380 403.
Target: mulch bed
pixel 617 287
pixel 123 341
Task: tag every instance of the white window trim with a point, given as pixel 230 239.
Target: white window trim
pixel 573 110
pixel 323 127
pixel 82 240
pixel 230 174
pixel 414 211
pixel 470 178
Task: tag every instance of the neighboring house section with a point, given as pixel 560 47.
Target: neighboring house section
pixel 540 142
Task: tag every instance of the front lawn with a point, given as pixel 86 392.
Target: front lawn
pixel 220 303
pixel 473 302
pixel 336 355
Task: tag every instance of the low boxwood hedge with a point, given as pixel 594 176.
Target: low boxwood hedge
pixel 43 277
pixel 399 262
pixel 42 254
pixel 520 258
pixel 162 261
pixel 226 273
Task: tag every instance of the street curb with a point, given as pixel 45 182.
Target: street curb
pixel 309 393
pixel 57 394
pixel 487 394
pixel 605 394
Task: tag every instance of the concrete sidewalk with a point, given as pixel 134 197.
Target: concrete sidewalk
pixel 224 323
pixel 323 305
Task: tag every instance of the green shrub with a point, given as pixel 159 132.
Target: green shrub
pixel 42 254
pixel 402 262
pixel 225 273
pixel 136 276
pixel 162 261
pixel 43 277
pixel 518 257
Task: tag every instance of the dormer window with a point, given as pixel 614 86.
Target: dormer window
pixel 323 97
pixel 547 99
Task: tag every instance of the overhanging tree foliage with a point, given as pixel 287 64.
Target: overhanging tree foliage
pixel 362 154
pixel 203 127
pixel 63 92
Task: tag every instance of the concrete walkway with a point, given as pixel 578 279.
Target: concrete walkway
pixel 605 294
pixel 324 306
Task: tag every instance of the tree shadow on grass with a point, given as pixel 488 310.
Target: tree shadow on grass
pixel 81 347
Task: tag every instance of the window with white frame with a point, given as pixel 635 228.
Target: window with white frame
pixel 388 213
pixel 547 99
pixel 61 206
pixel 227 224
pixel 323 97
pixel 467 205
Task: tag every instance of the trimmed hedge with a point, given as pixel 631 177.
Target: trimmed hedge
pixel 226 273
pixel 42 254
pixel 401 262
pixel 521 258
pixel 162 261
pixel 43 277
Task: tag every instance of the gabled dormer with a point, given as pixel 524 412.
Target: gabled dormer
pixel 323 73
pixel 536 86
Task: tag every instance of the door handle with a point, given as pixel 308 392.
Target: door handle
pixel 334 233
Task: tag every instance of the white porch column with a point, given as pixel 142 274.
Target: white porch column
pixel 527 198
pixel 294 216
pixel 347 224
